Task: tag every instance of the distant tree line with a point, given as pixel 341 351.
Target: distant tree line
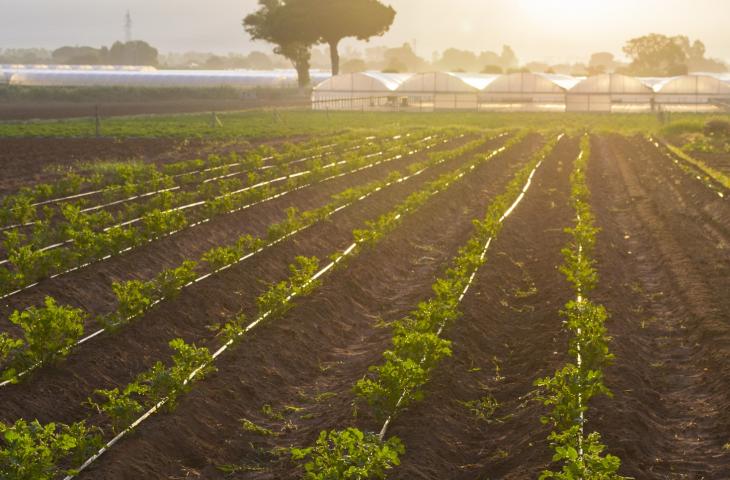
pixel 130 53
pixel 136 52
pixel 649 55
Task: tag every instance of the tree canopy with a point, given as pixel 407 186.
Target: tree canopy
pixel 661 55
pixel 279 23
pixel 332 20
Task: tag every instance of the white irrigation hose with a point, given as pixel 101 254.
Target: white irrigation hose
pixel 192 172
pixel 249 255
pixel 273 197
pixel 225 195
pixel 267 199
pixel 346 253
pixel 578 355
pixel 386 424
pixel 677 162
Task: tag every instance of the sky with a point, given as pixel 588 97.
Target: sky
pixel 543 30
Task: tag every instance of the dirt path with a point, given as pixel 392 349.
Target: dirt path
pixel 309 359
pixel 663 263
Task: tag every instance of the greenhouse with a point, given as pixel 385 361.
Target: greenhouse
pixel 442 91
pixel 358 91
pixel 522 91
pixel 122 77
pixel 527 91
pixel 692 91
pixel 611 93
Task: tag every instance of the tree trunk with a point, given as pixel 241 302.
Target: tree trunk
pixel 303 77
pixel 335 57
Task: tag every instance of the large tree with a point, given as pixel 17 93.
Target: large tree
pixel 332 20
pixel 281 23
pixel 135 52
pixel 658 55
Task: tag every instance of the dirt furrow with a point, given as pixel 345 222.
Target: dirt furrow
pixel 662 279
pixel 510 335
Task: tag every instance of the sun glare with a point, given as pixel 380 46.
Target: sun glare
pixel 561 10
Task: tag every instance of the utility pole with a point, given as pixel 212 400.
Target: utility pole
pixel 128 27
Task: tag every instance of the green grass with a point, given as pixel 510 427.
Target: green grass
pixel 282 123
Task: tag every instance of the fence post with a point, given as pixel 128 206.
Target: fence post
pixel 97 121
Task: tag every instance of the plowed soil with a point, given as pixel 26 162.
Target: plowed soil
pixel 28 161
pixel 115 359
pixel 663 259
pixel 317 350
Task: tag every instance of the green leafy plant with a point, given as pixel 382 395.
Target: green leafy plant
pixel 170 382
pixel 49 331
pixel 122 407
pixel 276 299
pixel 32 451
pixel 134 297
pixel 169 282
pixel 569 391
pixel 349 455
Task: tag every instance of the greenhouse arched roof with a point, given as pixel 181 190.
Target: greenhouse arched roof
pixel 614 83
pixel 532 82
pixel 363 82
pixel 701 84
pixel 440 82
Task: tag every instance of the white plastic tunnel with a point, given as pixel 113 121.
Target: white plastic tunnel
pixel 356 91
pixel 442 91
pixel 527 91
pixel 610 92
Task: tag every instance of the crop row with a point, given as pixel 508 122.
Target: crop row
pixel 417 349
pixel 114 180
pixel 164 191
pixel 59 224
pixel 272 303
pixel 87 245
pixel 569 391
pixel 711 177
pixel 52 335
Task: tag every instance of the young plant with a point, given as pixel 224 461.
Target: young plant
pixel 170 382
pixel 169 282
pixel 31 451
pixel 121 407
pixel 349 455
pixel 49 331
pixel 276 299
pixel 134 297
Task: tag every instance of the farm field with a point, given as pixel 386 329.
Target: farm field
pixel 293 294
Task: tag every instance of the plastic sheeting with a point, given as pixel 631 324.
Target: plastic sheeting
pixel 157 78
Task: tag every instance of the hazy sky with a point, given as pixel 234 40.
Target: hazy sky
pixel 551 30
